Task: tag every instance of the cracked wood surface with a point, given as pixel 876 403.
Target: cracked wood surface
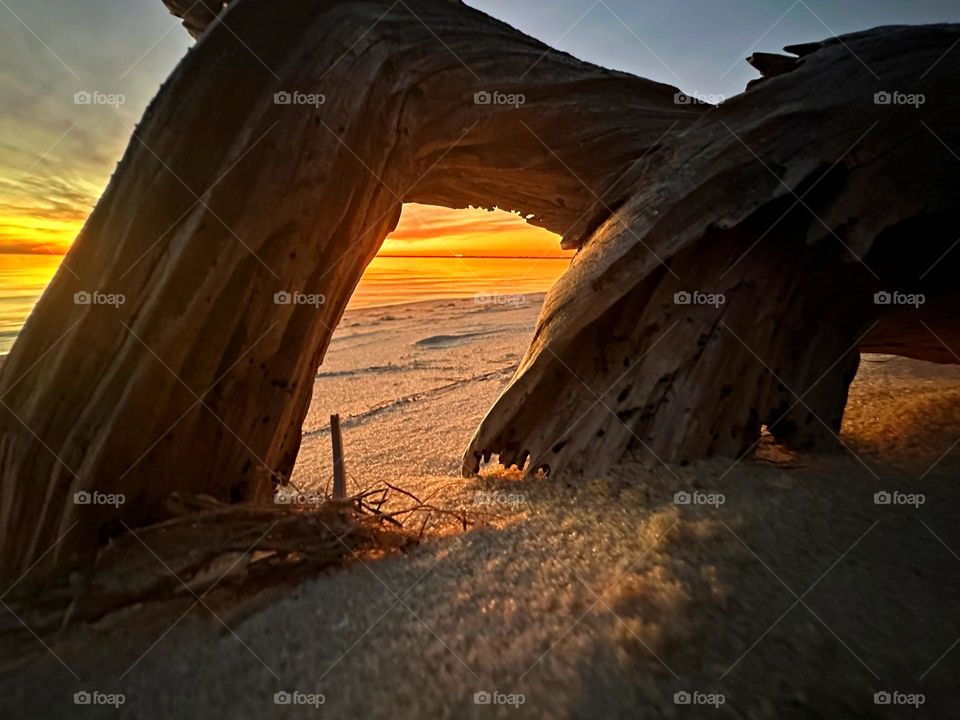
pixel 798 201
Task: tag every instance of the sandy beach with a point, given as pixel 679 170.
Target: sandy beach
pixel 283 284
pixel 426 371
pixel 794 595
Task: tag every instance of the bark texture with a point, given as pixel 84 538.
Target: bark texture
pixel 276 159
pixel 226 197
pixel 798 201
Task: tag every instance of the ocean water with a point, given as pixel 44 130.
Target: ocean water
pixel 387 281
pixel 22 280
pixel 392 280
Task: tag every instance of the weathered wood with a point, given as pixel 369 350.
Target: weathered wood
pixel 339 468
pixel 226 204
pixel 798 200
pixel 265 175
pixel 196 14
pixel 772 64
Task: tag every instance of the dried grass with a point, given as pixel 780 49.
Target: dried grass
pixel 239 550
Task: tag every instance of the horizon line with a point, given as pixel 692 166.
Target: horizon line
pixel 482 257
pixel 390 255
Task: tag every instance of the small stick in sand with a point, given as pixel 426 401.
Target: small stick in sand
pixel 339 469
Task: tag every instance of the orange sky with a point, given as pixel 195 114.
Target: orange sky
pixel 47 225
pixel 56 156
pixel 43 206
pixel 429 230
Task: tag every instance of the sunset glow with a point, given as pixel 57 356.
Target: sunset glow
pixel 37 235
pixel 423 231
pixel 429 230
pixel 34 236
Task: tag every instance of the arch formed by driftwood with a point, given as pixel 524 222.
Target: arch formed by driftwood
pixel 797 201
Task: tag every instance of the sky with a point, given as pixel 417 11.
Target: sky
pixel 56 156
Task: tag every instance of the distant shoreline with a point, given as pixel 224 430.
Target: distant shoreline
pixel 397 279
pixel 534 297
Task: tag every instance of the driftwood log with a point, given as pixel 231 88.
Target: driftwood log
pixel 799 202
pixel 268 170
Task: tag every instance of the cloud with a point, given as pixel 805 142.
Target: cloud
pixel 30 248
pixel 56 157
